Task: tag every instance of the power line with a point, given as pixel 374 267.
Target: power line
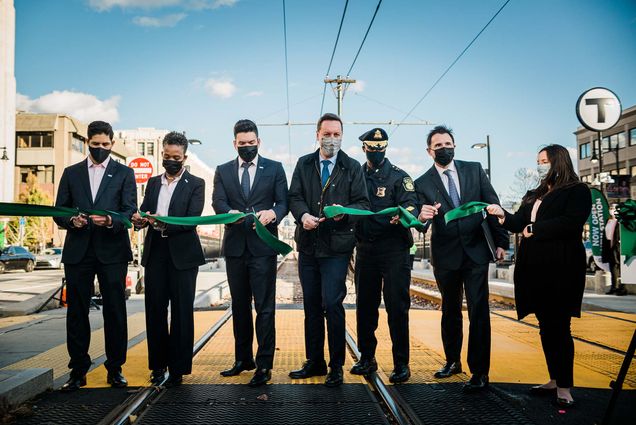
pixel 365 37
pixel 449 68
pixel 287 81
pixel 386 105
pixel 283 109
pixel 333 52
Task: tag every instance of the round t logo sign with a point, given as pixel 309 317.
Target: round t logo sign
pixel 142 168
pixel 598 109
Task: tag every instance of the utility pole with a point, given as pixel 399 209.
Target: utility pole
pixel 341 87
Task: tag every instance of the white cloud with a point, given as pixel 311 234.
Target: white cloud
pixel 164 21
pixel 358 86
pixel 223 88
pixel 255 93
pixel 82 106
pixel 209 4
pixel 106 5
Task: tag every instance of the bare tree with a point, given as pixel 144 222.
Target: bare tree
pixel 525 179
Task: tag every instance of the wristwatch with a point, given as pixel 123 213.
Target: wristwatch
pixel 530 228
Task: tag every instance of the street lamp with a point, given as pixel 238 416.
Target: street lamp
pixel 487 146
pixel 194 141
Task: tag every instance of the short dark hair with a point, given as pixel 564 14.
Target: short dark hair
pixel 328 117
pixel 245 126
pixel 439 129
pixel 176 138
pixel 100 127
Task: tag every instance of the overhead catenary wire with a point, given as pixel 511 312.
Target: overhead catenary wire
pixel 365 37
pixel 449 68
pixel 333 52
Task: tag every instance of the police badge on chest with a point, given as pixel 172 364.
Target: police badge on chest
pixel 381 192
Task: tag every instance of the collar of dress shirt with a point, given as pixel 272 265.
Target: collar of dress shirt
pixel 164 180
pixel 332 159
pixel 254 161
pixel 90 162
pixel 441 170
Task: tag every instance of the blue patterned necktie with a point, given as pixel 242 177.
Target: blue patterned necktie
pixel 245 179
pixel 452 189
pixel 325 171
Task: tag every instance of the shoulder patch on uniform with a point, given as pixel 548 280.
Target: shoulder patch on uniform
pixel 407 182
pixel 395 167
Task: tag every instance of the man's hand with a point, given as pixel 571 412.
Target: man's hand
pixel 428 212
pixel 496 210
pixel 310 222
pixel 236 212
pixel 395 219
pixel 138 220
pixel 526 233
pixel 500 254
pixel 266 216
pixel 101 220
pixel 339 216
pixel 79 221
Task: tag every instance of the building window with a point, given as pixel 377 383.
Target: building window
pixel 632 137
pixel 622 140
pixel 150 148
pixel 584 151
pixel 633 170
pixel 77 143
pixel 605 144
pixel 140 148
pixel 44 173
pixel 34 139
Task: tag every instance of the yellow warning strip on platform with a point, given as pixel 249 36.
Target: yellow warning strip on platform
pixel 136 368
pixel 57 357
pixel 218 355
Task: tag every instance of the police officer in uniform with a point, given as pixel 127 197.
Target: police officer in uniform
pixel 382 259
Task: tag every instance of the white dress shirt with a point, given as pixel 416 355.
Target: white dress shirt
pixel 251 170
pixel 332 162
pixel 96 174
pixel 165 193
pixel 444 177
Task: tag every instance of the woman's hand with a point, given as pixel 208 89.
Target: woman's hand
pixel 496 210
pixel 526 232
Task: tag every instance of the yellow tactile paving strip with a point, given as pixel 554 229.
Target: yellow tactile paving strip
pixel 136 368
pixel 290 354
pixel 5 322
pixel 516 356
pixel 57 357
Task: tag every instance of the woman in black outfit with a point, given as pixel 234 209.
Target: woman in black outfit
pixel 550 268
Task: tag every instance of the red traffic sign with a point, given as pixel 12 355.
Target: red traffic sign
pixel 142 168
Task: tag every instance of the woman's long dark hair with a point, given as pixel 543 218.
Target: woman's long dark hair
pixel 561 173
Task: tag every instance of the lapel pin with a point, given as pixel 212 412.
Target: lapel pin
pixel 186 180
pixel 110 175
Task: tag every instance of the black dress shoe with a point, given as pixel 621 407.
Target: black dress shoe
pixel 310 368
pixel 157 376
pixel 116 380
pixel 476 383
pixel 334 377
pixel 540 390
pixel 401 373
pixel 239 366
pixel 173 381
pixel 261 376
pixel 448 370
pixel 364 367
pixel 564 403
pixel 74 383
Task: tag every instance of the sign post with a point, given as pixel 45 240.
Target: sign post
pixel 143 171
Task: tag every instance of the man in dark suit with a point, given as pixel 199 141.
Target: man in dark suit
pixel 251 183
pixel 327 176
pixel 96 245
pixel 172 256
pixel 461 252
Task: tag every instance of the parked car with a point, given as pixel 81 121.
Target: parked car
pixel 16 257
pixel 50 258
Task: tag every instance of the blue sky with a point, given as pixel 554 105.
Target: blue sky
pixel 200 65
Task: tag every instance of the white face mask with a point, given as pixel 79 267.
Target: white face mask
pixel 330 145
pixel 543 170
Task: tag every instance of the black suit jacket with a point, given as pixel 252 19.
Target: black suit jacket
pixel 187 201
pixel 269 191
pixel 467 233
pixel 117 192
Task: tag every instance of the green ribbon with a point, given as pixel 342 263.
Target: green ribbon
pixel 35 210
pixel 229 218
pixel 407 219
pixel 626 216
pixel 469 208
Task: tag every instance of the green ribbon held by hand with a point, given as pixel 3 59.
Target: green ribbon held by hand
pixel 229 218
pixel 34 210
pixel 469 208
pixel 407 219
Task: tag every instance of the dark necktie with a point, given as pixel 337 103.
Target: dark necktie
pixel 452 189
pixel 245 179
pixel 325 171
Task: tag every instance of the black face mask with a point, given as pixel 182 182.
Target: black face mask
pixel 99 154
pixel 172 167
pixel 375 158
pixel 444 156
pixel 248 153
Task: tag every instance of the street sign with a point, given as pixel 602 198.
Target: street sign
pixel 598 109
pixel 142 167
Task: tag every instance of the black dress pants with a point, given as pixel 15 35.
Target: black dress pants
pixel 558 347
pixel 80 279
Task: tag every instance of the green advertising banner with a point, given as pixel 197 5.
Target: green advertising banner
pixel 597 220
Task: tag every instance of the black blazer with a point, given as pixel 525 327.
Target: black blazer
pixel 550 265
pixel 269 191
pixel 465 234
pixel 117 192
pixel 187 201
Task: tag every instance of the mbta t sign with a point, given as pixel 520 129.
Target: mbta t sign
pixel 142 168
pixel 598 109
